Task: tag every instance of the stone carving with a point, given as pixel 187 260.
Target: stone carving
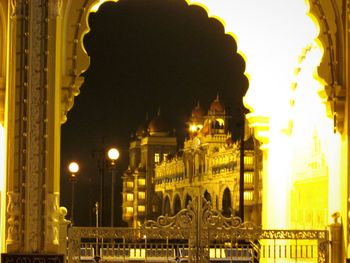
pixel 62 214
pixel 13 212
pixel 330 21
pixel 37 76
pixel 53 214
pixel 55 8
pixel 13 7
pixel 16 7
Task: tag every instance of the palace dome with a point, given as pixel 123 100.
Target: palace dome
pixel 217 106
pixel 142 129
pixel 197 112
pixel 229 141
pixel 158 125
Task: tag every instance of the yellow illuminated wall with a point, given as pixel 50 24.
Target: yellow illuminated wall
pixel 315 149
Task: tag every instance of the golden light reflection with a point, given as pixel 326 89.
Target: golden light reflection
pixel 96 5
pixel 287 110
pixel 316 149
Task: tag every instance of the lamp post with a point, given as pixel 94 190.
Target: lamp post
pixel 241 171
pixel 113 155
pixel 97 207
pixel 73 168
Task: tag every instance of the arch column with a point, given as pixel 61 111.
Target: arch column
pixel 33 127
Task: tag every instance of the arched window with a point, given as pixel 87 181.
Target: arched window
pixel 166 207
pixel 197 165
pixel 177 204
pixel 187 200
pixel 226 203
pixel 207 196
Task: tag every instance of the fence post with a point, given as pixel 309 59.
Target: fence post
pixel 63 230
pixel 336 239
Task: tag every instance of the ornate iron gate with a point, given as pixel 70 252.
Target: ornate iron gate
pixel 197 234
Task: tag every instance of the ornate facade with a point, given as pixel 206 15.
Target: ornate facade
pixel 150 145
pixel 42 57
pixel 208 165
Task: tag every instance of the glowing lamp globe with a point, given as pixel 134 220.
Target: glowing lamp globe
pixel 113 154
pixel 73 167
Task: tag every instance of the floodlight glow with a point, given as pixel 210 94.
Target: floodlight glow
pixel 193 128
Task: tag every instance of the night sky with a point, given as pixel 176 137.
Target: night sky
pixel 145 55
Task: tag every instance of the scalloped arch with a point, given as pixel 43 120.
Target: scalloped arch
pixel 327 17
pixel 75 58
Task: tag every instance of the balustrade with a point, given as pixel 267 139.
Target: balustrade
pixel 197 234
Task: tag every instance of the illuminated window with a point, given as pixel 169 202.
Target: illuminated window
pixel 248 195
pixel 248 160
pixel 130 184
pixel 165 155
pixel 156 157
pixel 248 178
pixel 220 122
pixel 142 181
pixel 130 197
pixel 129 210
pixel 141 208
pixel 141 195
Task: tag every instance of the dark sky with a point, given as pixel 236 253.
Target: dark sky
pixel 145 55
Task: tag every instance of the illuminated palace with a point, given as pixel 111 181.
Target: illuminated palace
pixel 296 56
pixel 162 180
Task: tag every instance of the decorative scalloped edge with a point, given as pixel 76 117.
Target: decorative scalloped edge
pixel 81 60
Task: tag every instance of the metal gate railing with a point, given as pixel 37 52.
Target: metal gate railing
pixel 197 234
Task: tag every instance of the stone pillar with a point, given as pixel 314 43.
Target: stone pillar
pixel 32 205
pixel 63 231
pixel 336 239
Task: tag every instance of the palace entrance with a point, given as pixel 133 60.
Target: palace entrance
pixel 41 61
pixel 197 234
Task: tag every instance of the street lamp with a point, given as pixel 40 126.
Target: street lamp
pixel 113 155
pixel 73 168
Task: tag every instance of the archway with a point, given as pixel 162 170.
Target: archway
pixel 275 38
pixel 207 196
pixel 188 199
pixel 166 206
pixel 71 61
pixel 226 203
pixel 118 80
pixel 177 204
